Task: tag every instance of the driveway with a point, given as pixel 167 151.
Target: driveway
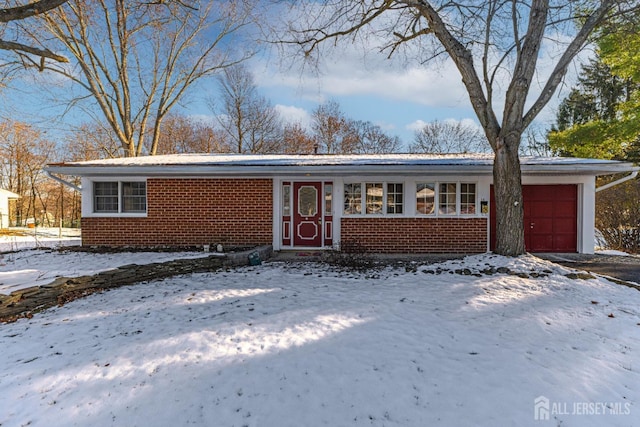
pixel 625 268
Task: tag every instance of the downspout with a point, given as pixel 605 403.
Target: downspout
pixel 619 181
pixel 67 183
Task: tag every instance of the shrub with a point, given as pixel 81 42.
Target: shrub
pixel 350 253
pixel 618 216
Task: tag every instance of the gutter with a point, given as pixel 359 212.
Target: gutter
pixel 62 181
pixel 634 173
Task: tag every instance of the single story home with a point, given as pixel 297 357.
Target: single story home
pixel 5 196
pixel 391 203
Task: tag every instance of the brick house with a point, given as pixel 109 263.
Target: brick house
pixel 394 203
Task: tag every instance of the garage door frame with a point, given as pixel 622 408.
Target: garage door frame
pixel 550 241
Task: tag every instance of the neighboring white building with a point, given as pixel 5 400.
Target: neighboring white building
pixel 5 196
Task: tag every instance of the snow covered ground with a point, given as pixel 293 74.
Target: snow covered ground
pixel 20 238
pixel 26 263
pixel 305 345
pixel 24 269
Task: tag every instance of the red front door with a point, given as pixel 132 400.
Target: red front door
pixel 307 214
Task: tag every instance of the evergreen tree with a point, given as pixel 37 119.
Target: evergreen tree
pixel 599 117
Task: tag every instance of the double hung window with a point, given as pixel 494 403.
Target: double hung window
pixel 120 197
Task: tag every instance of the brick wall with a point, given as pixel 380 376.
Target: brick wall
pixel 417 235
pixel 188 212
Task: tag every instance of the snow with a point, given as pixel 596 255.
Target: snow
pixel 33 268
pixel 19 238
pixel 290 159
pixel 612 252
pixel 469 159
pixel 303 344
pixel 21 268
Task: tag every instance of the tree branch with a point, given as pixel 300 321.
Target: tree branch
pixel 527 58
pixel 28 10
pixel 561 67
pixel 21 48
pixel 463 59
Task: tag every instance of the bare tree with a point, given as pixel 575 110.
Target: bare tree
pixel 333 131
pixel 249 121
pixel 91 141
pixel 371 139
pixel 535 143
pixel 136 59
pixel 181 134
pixel 23 154
pixel 20 13
pixel 297 140
pixel 441 137
pixel 491 43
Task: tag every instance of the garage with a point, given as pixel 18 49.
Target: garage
pixel 550 218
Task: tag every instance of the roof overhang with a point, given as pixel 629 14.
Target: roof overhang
pixel 328 165
pixel 9 194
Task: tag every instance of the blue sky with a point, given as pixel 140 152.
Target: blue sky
pixel 397 94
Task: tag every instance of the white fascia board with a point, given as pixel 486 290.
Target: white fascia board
pixel 578 169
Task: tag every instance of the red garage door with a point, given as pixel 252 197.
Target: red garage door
pixel 550 218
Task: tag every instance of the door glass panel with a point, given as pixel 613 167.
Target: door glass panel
pixel 328 196
pixel 307 201
pixel 286 203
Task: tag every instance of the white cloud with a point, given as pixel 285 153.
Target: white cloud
pixel 293 114
pixel 416 126
pixel 351 76
pixel 205 119
pixel 359 69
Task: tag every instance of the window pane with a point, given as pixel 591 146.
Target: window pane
pixel 447 205
pixel 286 200
pixel 307 201
pixel 105 197
pixel 134 197
pixel 394 198
pixel 328 198
pixel 352 198
pixel 467 199
pixel 425 198
pixel 374 198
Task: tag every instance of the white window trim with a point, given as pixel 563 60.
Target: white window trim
pixel 88 199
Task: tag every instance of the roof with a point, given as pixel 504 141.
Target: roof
pixel 8 194
pixel 282 164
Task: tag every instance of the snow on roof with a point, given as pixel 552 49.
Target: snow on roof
pixel 289 160
pixel 231 163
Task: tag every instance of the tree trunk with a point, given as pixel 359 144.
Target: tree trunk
pixel 507 184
